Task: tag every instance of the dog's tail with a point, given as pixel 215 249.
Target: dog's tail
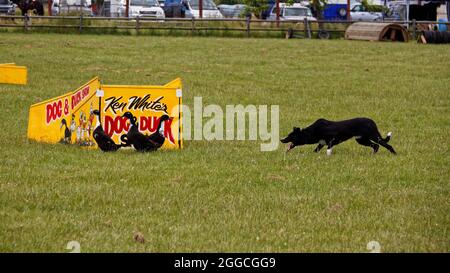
pixel 388 137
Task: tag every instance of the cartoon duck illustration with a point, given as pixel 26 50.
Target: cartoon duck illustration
pixel 79 129
pixel 67 133
pixel 90 122
pixel 84 131
pixel 73 124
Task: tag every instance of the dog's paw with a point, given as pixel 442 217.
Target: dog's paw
pixel 375 149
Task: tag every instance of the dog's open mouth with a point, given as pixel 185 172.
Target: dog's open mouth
pixel 290 147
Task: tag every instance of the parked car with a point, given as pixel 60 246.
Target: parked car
pixel 294 12
pixel 112 8
pixel 176 9
pixel 232 11
pixel 190 8
pixel 7 7
pixel 209 9
pixel 66 6
pixel 145 8
pixel 360 13
pixel 335 11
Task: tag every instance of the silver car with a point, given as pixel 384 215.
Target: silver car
pixel 232 11
pixel 61 7
pixel 7 7
pixel 359 13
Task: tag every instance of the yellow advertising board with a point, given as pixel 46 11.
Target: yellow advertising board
pixel 48 120
pixel 69 118
pixel 13 74
pixel 148 104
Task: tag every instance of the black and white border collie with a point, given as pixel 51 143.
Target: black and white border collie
pixel 325 132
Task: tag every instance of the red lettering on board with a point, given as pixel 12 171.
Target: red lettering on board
pixel 79 96
pixel 147 125
pixel 53 111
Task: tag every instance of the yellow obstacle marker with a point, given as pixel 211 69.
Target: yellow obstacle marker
pixel 13 74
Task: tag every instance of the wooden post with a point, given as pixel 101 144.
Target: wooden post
pixel 247 22
pixel 407 14
pixel 349 18
pixel 200 8
pixel 81 23
pixel 278 12
pixel 192 25
pixel 414 27
pixel 26 21
pixel 309 28
pixel 305 27
pixel 422 39
pixel 127 8
pixel 49 7
pixel 138 24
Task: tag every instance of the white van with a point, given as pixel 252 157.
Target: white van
pixel 294 12
pixel 210 9
pixel 145 8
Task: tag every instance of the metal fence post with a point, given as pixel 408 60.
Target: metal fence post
pixel 247 28
pixel 414 29
pixel 81 23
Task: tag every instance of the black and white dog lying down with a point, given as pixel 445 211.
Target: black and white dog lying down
pixel 325 132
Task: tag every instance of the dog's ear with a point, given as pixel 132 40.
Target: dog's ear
pixel 296 129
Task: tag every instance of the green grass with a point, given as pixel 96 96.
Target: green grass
pixel 227 195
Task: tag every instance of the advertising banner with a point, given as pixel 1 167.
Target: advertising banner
pixel 69 119
pixel 65 119
pixel 147 104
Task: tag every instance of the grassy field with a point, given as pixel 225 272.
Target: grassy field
pixel 227 195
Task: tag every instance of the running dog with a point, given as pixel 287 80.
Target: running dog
pixel 325 132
